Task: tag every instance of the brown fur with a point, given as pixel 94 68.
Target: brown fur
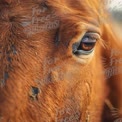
pixel 25 61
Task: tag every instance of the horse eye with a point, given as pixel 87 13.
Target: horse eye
pixel 86 45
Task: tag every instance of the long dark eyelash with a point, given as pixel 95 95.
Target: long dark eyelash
pixel 103 43
pixel 104 62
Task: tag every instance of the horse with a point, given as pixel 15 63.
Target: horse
pixel 60 61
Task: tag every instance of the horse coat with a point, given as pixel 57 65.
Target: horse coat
pixel 60 61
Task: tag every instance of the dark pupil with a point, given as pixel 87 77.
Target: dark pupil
pixel 86 46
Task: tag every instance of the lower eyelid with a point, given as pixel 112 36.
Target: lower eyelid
pixel 84 59
pixel 82 52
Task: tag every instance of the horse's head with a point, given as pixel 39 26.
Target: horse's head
pixel 56 52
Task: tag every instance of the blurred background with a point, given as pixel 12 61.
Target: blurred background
pixel 115 8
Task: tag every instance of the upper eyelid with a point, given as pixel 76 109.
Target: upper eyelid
pixel 93 35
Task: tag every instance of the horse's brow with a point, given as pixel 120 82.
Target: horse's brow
pixel 92 21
